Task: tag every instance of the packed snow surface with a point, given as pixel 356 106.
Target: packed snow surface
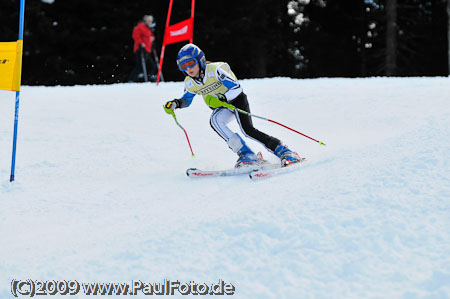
pixel 101 193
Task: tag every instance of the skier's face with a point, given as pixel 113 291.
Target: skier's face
pixel 193 72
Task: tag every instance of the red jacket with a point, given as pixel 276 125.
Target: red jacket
pixel 142 34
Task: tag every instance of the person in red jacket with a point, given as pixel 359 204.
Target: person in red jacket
pixel 143 38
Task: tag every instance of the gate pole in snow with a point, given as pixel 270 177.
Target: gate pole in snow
pixel 16 114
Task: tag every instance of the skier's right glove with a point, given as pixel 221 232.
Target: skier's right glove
pixel 170 106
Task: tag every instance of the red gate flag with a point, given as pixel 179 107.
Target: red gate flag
pixel 179 32
pixel 176 33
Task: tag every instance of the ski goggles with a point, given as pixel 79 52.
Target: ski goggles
pixel 188 64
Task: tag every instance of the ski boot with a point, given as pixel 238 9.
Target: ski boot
pixel 286 155
pixel 247 158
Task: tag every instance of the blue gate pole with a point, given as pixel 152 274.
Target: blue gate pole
pixel 16 115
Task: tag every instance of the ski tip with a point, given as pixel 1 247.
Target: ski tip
pixel 189 170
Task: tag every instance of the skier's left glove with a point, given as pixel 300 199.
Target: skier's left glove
pixel 170 106
pixel 220 96
pixel 217 101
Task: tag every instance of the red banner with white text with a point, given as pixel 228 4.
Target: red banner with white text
pixel 179 32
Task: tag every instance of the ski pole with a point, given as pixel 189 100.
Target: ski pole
pixel 217 103
pixel 144 68
pixel 157 61
pixel 275 122
pixel 185 133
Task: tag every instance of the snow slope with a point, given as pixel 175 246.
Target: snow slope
pixel 101 193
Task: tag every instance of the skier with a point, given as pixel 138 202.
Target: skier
pixel 217 83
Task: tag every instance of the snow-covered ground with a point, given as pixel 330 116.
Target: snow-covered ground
pixel 101 193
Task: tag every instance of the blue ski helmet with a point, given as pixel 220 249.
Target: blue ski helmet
pixel 189 52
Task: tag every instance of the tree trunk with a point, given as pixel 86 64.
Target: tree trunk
pixel 391 37
pixel 364 39
pixel 448 34
pixel 260 45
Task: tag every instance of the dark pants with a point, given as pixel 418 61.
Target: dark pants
pixel 150 65
pixel 246 124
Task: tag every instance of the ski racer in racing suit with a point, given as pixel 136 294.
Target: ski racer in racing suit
pixel 218 86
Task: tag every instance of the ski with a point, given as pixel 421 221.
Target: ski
pixel 198 173
pixel 260 173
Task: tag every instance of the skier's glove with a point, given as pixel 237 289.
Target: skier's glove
pixel 217 101
pixel 220 96
pixel 170 106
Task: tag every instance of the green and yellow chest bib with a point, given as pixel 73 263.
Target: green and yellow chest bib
pixel 211 83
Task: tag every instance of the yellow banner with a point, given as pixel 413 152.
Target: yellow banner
pixel 11 65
